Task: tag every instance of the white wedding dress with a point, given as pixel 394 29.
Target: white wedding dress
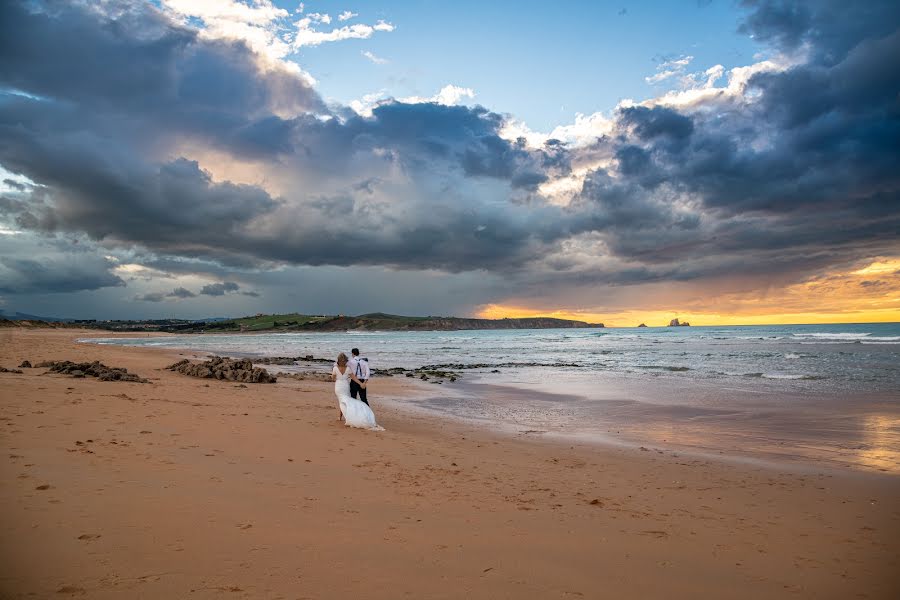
pixel 356 413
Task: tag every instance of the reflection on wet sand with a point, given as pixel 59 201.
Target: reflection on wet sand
pixel 881 448
pixel 864 434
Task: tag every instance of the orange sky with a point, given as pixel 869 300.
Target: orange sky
pixel 863 295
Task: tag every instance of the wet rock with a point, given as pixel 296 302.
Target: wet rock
pixel 276 360
pixel 25 365
pixel 307 376
pixel 222 368
pixel 5 370
pixel 92 369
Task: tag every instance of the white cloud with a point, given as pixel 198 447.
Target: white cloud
pixel 364 105
pixel 266 28
pixel 375 59
pixel 307 35
pixel 262 12
pixel 453 94
pixel 669 68
pixel 259 25
pixel 448 95
pixel 704 92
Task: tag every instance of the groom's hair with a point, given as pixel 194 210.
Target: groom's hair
pixel 355 351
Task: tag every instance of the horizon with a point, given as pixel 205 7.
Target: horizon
pixel 725 163
pixel 600 323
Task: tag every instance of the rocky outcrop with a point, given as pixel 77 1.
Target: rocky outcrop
pixel 226 369
pixel 91 369
pixel 676 323
pixel 25 364
pixel 642 325
pixel 5 370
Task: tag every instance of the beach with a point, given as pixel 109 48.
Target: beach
pixel 193 488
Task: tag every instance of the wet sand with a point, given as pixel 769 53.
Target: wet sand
pixel 188 488
pixel 804 432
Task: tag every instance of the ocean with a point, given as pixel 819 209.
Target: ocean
pixel 821 395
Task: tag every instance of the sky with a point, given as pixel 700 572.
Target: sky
pixel 721 162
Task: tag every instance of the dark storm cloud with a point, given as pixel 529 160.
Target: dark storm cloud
pixel 181 292
pixel 802 173
pixel 650 123
pixel 90 137
pixel 219 289
pixel 805 177
pixel 830 28
pixel 14 184
pixel 33 266
pixel 151 297
pixel 178 293
pixel 153 76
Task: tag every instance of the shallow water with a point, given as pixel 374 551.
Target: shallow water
pixel 820 393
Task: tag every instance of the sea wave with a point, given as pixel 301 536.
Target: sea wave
pixel 796 376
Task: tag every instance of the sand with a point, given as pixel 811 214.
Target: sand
pixel 187 488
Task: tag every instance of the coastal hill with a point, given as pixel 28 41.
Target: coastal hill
pixel 371 322
pixel 325 323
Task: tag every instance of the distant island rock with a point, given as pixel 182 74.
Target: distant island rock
pixel 642 325
pixel 676 323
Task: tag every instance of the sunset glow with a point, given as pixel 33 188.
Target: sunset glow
pixel 870 294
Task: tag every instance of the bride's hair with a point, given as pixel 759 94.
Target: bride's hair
pixel 342 359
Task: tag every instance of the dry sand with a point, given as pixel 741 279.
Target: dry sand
pixel 186 488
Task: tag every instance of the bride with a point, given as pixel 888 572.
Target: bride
pixel 356 413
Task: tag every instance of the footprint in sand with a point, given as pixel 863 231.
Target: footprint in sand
pixel 71 590
pixel 88 536
pixel 657 534
pixel 45 486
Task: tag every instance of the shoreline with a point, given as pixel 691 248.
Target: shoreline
pixel 717 440
pixel 198 487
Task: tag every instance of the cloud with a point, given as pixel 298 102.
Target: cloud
pixel 30 264
pixel 449 95
pixel 307 34
pixel 669 68
pixel 375 59
pixel 219 289
pixel 347 15
pixel 181 292
pixel 787 167
pixel 151 297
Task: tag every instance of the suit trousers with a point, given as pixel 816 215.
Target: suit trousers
pixel 355 390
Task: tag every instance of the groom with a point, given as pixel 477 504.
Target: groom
pixel 359 367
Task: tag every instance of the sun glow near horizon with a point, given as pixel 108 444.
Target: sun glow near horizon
pixel 869 294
